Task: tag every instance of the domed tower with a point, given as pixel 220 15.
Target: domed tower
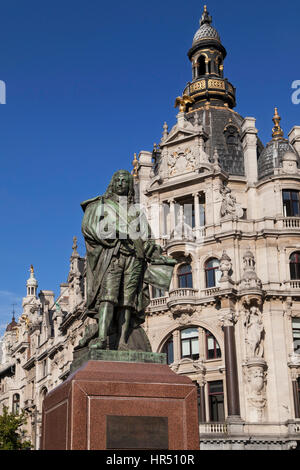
pixel 207 56
pixel 31 284
pixel 12 324
pixel 213 99
pixel 275 151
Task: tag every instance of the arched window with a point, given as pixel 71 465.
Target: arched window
pixel 190 343
pixel 184 276
pixel 201 66
pixel 213 350
pixel 16 403
pixel 295 265
pixel 212 272
pixel 169 350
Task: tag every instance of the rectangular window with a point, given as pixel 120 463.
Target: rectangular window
pixel 190 343
pixel 213 348
pixel 291 203
pixel 156 292
pixel 44 368
pixel 216 401
pixel 296 334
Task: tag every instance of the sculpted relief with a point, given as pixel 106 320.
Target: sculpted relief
pixel 229 206
pixel 254 333
pixel 181 161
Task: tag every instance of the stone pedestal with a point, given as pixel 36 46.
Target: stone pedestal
pixel 111 405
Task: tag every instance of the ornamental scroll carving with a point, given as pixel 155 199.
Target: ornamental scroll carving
pixel 181 161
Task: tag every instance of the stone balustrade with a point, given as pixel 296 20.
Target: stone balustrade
pixel 213 428
pixel 183 292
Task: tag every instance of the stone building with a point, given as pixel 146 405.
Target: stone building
pixel 226 207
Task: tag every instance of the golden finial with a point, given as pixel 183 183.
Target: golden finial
pixel 205 9
pixel 135 164
pixel 182 102
pixel 277 132
pixel 31 269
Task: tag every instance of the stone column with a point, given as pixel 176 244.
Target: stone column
pixel 201 390
pixel 207 66
pixel 176 345
pixel 197 214
pixel 249 140
pixel 172 214
pixel 227 319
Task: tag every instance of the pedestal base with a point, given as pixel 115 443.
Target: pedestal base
pixel 120 405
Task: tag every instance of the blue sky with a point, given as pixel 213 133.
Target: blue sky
pixel 91 82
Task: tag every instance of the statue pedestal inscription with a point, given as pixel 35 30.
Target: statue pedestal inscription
pixel 111 405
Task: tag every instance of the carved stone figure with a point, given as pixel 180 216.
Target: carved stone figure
pixel 122 261
pixel 256 379
pixel 254 332
pixel 229 205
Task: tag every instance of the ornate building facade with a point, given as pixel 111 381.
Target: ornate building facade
pixel 227 208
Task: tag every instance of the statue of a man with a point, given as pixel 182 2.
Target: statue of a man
pixel 122 261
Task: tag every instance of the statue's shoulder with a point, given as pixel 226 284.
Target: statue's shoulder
pixel 84 204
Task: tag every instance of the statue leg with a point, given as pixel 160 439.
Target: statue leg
pixel 106 313
pixel 123 327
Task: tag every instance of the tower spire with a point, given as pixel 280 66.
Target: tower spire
pixel 205 18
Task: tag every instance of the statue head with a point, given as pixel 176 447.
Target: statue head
pixel 121 184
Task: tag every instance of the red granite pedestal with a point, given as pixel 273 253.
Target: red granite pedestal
pixel 122 405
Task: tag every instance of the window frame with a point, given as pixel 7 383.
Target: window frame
pixel 211 395
pixel 194 357
pixel 213 269
pixel 288 203
pixel 293 263
pixel 208 335
pixel 186 276
pixel 296 330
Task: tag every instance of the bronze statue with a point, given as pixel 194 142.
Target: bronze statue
pixel 122 261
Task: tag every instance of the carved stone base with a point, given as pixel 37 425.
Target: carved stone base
pixel 256 378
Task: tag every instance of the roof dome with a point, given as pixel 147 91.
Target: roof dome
pixel 206 31
pixel 11 325
pixel 277 150
pixel 273 155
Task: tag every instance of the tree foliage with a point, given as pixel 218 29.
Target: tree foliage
pixel 12 437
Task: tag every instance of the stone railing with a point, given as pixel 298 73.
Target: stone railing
pixel 209 291
pixel 213 428
pixel 292 284
pixel 183 292
pixel 158 302
pixel 291 222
